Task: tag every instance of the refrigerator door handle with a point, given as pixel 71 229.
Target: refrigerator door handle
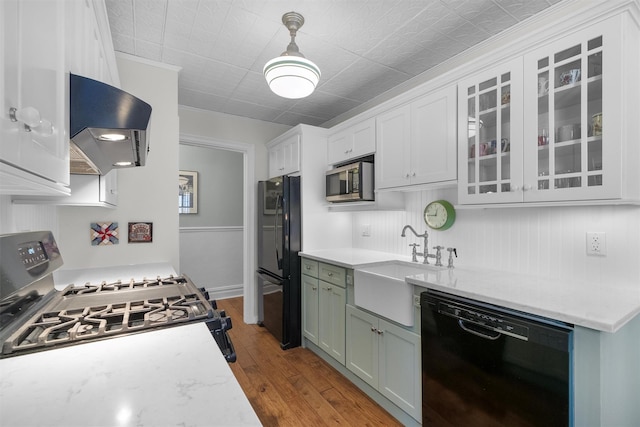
pixel 275 230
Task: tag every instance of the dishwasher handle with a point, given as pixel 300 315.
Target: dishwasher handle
pixel 478 333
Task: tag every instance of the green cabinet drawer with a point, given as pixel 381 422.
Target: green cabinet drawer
pixel 309 267
pixel 333 274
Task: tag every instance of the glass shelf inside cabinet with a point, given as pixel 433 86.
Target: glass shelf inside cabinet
pixel 569 117
pixel 489 112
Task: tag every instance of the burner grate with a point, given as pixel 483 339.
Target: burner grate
pixel 123 286
pixel 140 305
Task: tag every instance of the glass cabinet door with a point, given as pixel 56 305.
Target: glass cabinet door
pixel 573 137
pixel 569 118
pixel 491 171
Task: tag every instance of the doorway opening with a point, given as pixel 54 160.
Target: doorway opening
pixel 248 229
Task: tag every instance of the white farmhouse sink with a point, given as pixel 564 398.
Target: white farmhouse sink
pixel 381 289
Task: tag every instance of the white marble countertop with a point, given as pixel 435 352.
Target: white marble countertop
pixel 352 258
pixel 603 307
pixel 169 377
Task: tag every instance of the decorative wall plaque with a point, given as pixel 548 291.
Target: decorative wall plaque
pixel 140 232
pixel 104 233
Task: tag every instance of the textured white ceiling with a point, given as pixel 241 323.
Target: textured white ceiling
pixel 363 47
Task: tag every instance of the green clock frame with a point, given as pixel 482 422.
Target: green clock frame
pixel 447 208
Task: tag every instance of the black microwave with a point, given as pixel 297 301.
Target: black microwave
pixel 351 183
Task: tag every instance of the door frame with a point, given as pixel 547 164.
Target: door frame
pixel 250 290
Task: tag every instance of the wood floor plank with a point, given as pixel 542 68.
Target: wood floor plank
pixel 357 408
pixel 295 387
pixel 317 371
pixel 314 398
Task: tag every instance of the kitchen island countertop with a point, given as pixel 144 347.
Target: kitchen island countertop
pixel 598 304
pixel 171 376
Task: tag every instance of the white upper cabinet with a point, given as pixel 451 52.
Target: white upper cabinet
pixel 34 91
pixel 555 124
pixel 355 141
pixel 416 143
pixel 42 42
pixel 89 46
pixel 574 141
pixel 284 156
pixel 93 190
pixel 393 151
pixel 490 135
pixel 433 137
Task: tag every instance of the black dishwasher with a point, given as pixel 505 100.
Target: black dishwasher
pixel 485 365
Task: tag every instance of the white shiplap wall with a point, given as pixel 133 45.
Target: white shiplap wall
pixel 530 240
pixel 19 218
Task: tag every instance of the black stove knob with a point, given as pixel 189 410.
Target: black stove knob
pixel 214 304
pixel 226 323
pixel 214 324
pixel 204 293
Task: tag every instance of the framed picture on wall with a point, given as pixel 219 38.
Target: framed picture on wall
pixel 188 192
pixel 140 232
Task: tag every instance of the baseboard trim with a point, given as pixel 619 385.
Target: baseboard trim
pixel 225 292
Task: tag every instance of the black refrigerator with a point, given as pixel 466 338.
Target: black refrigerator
pixel 279 241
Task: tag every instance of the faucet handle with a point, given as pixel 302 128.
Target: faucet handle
pixel 414 252
pixel 452 251
pixel 438 255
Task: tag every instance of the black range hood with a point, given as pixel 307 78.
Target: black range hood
pixel 108 127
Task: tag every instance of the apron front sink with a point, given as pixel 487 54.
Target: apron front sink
pixel 382 289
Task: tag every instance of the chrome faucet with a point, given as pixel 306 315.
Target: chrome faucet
pixel 424 254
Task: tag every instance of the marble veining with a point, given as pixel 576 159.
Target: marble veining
pixel 169 377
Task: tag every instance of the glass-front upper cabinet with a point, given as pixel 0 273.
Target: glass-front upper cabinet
pixel 572 123
pixel 555 125
pixel 490 136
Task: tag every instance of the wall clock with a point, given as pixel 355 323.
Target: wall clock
pixel 439 215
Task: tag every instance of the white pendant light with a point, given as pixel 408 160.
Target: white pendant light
pixel 291 75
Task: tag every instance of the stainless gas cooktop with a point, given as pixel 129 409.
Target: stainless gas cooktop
pixel 34 316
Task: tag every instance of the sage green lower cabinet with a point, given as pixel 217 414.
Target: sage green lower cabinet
pixel 310 298
pixel 387 357
pixel 331 317
pixel 324 299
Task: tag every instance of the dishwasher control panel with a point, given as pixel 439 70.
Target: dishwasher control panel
pixel 492 321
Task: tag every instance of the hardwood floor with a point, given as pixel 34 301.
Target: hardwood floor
pixel 295 387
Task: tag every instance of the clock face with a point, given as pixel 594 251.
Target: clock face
pixel 439 215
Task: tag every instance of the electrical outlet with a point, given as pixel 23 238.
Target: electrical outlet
pixel 416 301
pixel 366 230
pixel 596 243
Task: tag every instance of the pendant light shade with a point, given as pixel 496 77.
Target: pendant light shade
pixel 291 75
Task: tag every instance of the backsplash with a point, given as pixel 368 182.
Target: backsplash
pixel 18 218
pixel 533 240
